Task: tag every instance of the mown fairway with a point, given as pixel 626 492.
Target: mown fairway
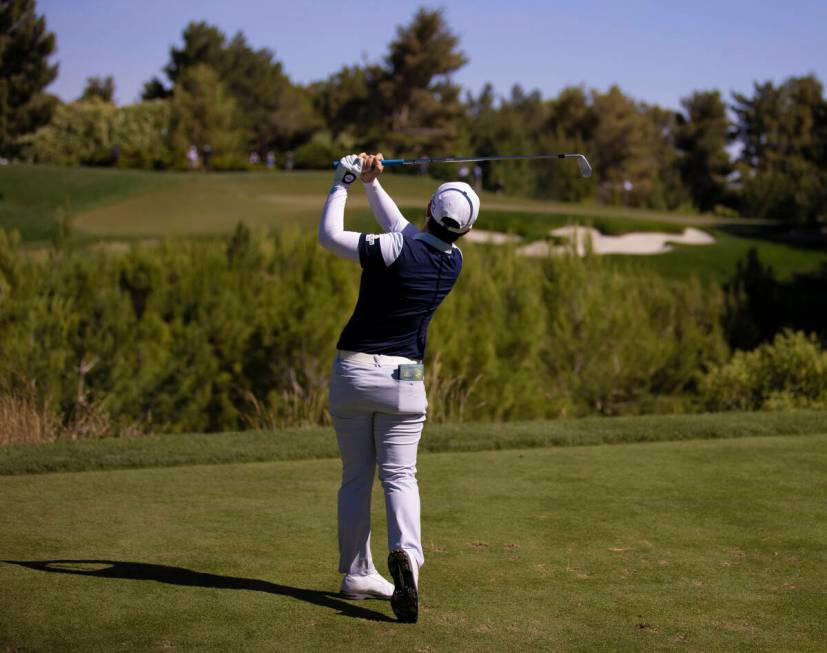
pixel 706 545
pixel 119 205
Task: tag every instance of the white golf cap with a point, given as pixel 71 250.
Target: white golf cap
pixel 455 206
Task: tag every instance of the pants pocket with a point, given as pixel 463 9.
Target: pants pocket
pixel 412 397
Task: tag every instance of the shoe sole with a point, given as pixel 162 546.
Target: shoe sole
pixel 405 599
pixel 355 596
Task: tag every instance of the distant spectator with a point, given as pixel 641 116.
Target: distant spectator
pixel 463 172
pixel 289 161
pixel 498 188
pixel 255 159
pixel 627 188
pixel 477 178
pixel 207 152
pixel 192 157
pixel 271 160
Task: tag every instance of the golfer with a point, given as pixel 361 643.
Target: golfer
pixel 377 392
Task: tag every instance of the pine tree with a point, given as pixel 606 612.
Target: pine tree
pixel 420 104
pixel 25 71
pixel 273 112
pixel 701 137
pixel 624 148
pixel 99 88
pixel 203 115
pixel 782 130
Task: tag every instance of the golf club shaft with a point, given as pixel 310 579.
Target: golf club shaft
pixel 474 159
pixel 585 168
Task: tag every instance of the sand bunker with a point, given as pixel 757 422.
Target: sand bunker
pixel 490 237
pixel 636 243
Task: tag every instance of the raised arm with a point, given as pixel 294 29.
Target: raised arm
pixel 332 234
pixel 384 209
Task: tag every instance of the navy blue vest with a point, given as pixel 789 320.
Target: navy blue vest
pixel 396 302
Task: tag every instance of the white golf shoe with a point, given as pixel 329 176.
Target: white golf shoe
pixel 371 586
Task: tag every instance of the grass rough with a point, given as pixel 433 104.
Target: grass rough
pixel 315 443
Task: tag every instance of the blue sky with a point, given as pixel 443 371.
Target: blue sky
pixel 656 51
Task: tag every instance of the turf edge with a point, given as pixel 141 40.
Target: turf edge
pixel 314 443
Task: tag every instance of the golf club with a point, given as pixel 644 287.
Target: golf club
pixel 582 162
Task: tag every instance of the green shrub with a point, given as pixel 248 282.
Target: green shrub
pixel 79 133
pixel 230 161
pixel 522 339
pixel 210 335
pixel 139 131
pixel 99 133
pixel 204 114
pixel 317 154
pixel 322 149
pixel 723 211
pixel 790 372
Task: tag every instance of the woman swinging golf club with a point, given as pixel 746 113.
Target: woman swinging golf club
pixel 377 392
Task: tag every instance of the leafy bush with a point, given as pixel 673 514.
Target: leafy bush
pixel 790 372
pixel 182 336
pixel 204 115
pixel 211 335
pixel 521 339
pixel 99 133
pixel 79 133
pixel 140 132
pixel 318 153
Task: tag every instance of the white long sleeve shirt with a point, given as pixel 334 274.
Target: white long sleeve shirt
pixel 334 237
pixel 406 274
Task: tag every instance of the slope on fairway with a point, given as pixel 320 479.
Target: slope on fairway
pixel 32 197
pixel 131 204
pixel 713 545
pixel 201 204
pixel 135 203
pixel 214 204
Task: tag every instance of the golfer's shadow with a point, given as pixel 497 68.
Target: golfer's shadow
pixel 189 578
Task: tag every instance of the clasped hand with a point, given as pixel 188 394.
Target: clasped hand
pixel 371 166
pixel 365 166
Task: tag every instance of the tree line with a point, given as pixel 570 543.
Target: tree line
pixel 761 154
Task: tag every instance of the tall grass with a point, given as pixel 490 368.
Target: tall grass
pixel 23 420
pixel 25 417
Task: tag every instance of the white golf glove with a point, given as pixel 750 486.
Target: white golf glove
pixel 348 170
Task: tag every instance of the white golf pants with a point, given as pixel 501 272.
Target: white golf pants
pixel 378 421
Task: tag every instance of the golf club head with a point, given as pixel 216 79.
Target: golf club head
pixel 585 168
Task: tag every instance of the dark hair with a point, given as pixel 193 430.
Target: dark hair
pixel 432 226
pixel 441 232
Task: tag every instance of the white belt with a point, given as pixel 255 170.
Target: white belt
pixel 374 359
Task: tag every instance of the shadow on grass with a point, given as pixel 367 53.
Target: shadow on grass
pixel 189 578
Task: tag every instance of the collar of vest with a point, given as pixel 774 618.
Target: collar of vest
pixel 432 240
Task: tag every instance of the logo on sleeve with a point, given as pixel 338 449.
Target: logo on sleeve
pixel 371 238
